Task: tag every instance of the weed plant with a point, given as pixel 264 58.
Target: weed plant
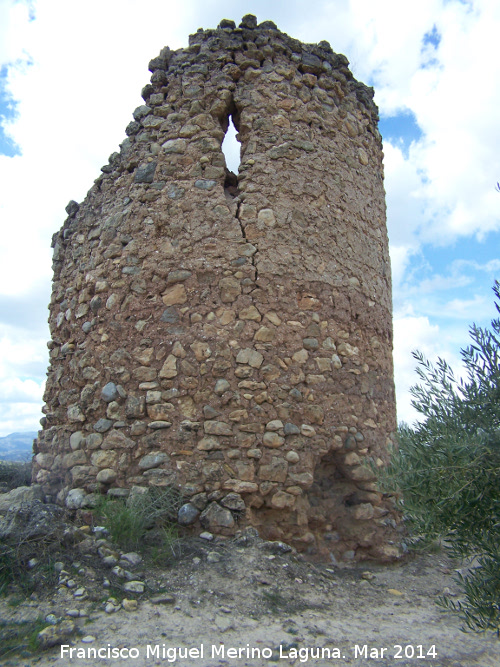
pixel 129 522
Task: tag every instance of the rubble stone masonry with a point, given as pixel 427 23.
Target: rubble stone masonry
pixel 232 335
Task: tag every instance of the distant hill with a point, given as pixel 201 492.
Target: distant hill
pixel 17 446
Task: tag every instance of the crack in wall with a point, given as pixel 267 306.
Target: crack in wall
pixel 253 257
pixel 232 191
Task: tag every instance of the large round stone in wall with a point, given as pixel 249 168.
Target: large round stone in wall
pixel 231 335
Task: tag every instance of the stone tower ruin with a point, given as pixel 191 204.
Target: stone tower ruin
pixel 231 335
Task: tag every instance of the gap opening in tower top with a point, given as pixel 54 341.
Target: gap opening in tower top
pixel 231 148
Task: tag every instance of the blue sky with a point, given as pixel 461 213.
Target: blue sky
pixel 66 96
pixel 401 129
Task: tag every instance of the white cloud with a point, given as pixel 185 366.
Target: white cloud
pixel 405 197
pixel 400 258
pixel 491 268
pixel 451 295
pixel 456 103
pixel 439 282
pixel 467 309
pixel 20 391
pixel 23 363
pixel 392 34
pixel 20 404
pixel 21 352
pixel 14 17
pixel 18 417
pixel 413 333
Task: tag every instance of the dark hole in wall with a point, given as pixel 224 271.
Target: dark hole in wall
pixel 231 183
pixel 329 491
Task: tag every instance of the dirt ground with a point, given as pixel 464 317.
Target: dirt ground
pixel 251 603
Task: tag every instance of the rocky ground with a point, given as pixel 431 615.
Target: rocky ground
pixel 232 599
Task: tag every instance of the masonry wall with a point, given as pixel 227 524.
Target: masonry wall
pixel 232 335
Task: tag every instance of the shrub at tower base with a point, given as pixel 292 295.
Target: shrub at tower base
pixel 448 469
pixel 230 335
